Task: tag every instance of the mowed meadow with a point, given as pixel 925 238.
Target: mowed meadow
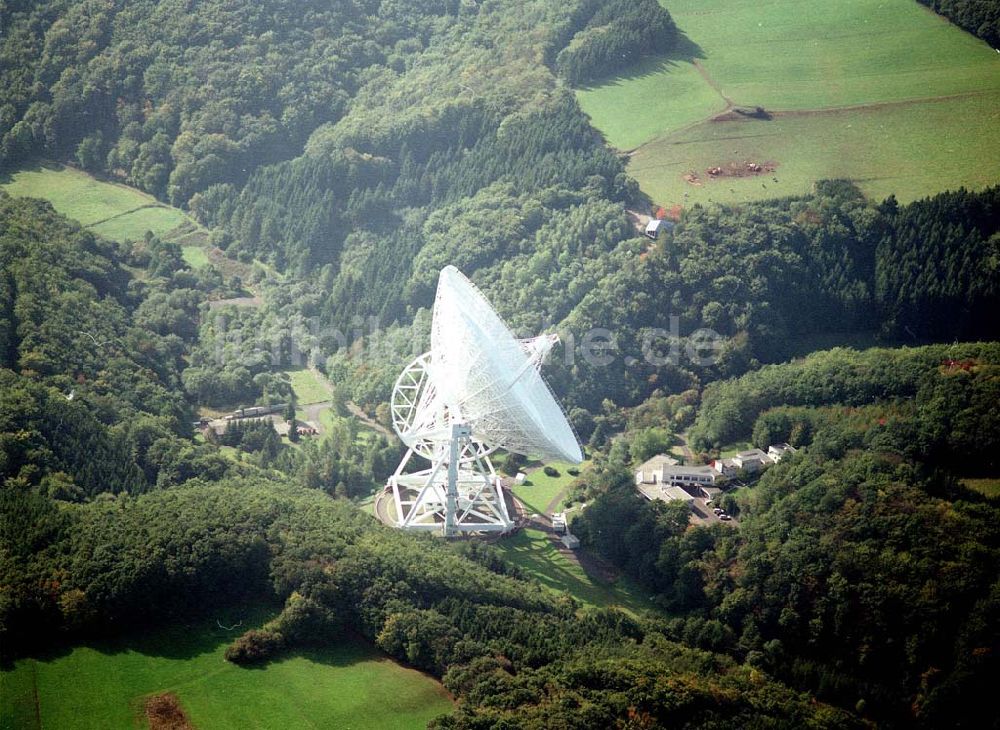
pixel 111 210
pixel 114 211
pixel 107 684
pixel 882 92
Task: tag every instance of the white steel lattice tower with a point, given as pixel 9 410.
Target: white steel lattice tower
pixel 477 389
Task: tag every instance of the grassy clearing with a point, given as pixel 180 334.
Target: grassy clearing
pixel 734 448
pixel 786 55
pixel 986 487
pixel 308 387
pixel 102 685
pixel 908 150
pixel 111 210
pixel 808 56
pixel 532 551
pixel 543 488
pixel 133 226
pixel 195 256
pixel 790 54
pixel 367 504
pixel 657 94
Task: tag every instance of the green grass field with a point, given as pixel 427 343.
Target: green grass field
pixel 133 225
pixel 734 448
pixel 986 487
pixel 657 96
pixel 103 685
pixel 908 150
pixel 532 551
pixel 929 94
pixel 308 387
pixel 543 489
pixel 195 256
pixel 111 210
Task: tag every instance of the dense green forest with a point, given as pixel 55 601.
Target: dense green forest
pixel 729 408
pixel 359 160
pixel 99 535
pixel 91 382
pixel 614 37
pixel 861 567
pixel 763 276
pixel 344 152
pixel 502 644
pixel 110 516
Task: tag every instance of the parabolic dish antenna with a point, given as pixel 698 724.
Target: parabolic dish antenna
pixel 478 389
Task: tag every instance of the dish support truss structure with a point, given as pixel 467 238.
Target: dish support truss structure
pixel 478 389
pixel 460 492
pixel 457 494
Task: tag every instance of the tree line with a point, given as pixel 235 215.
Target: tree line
pixel 729 408
pixel 979 17
pixel 447 141
pixel 507 647
pixel 615 37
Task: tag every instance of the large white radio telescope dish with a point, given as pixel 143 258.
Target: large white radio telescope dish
pixel 478 389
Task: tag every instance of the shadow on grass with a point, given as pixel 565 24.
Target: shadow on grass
pixel 169 638
pixel 540 559
pixel 684 51
pixel 7 176
pixel 208 635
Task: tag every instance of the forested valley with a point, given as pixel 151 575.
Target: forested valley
pixel 344 153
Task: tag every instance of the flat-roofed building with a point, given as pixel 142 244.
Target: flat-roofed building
pixel 709 492
pixel 777 451
pixel 752 460
pixel 672 493
pixel 651 470
pixel 689 475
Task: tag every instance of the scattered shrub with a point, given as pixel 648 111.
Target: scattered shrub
pixel 255 646
pixel 303 621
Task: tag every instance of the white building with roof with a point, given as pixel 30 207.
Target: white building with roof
pixel 777 451
pixel 707 492
pixel 689 475
pixel 725 467
pixel 752 460
pixel 671 493
pixel 656 225
pixel 651 470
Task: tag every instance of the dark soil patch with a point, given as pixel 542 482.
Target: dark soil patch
pixel 164 712
pixel 746 168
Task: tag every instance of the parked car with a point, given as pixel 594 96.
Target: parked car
pixel 724 517
pixel 718 510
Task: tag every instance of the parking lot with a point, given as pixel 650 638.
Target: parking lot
pixel 702 514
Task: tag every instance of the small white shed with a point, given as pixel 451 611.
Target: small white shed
pixel 656 225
